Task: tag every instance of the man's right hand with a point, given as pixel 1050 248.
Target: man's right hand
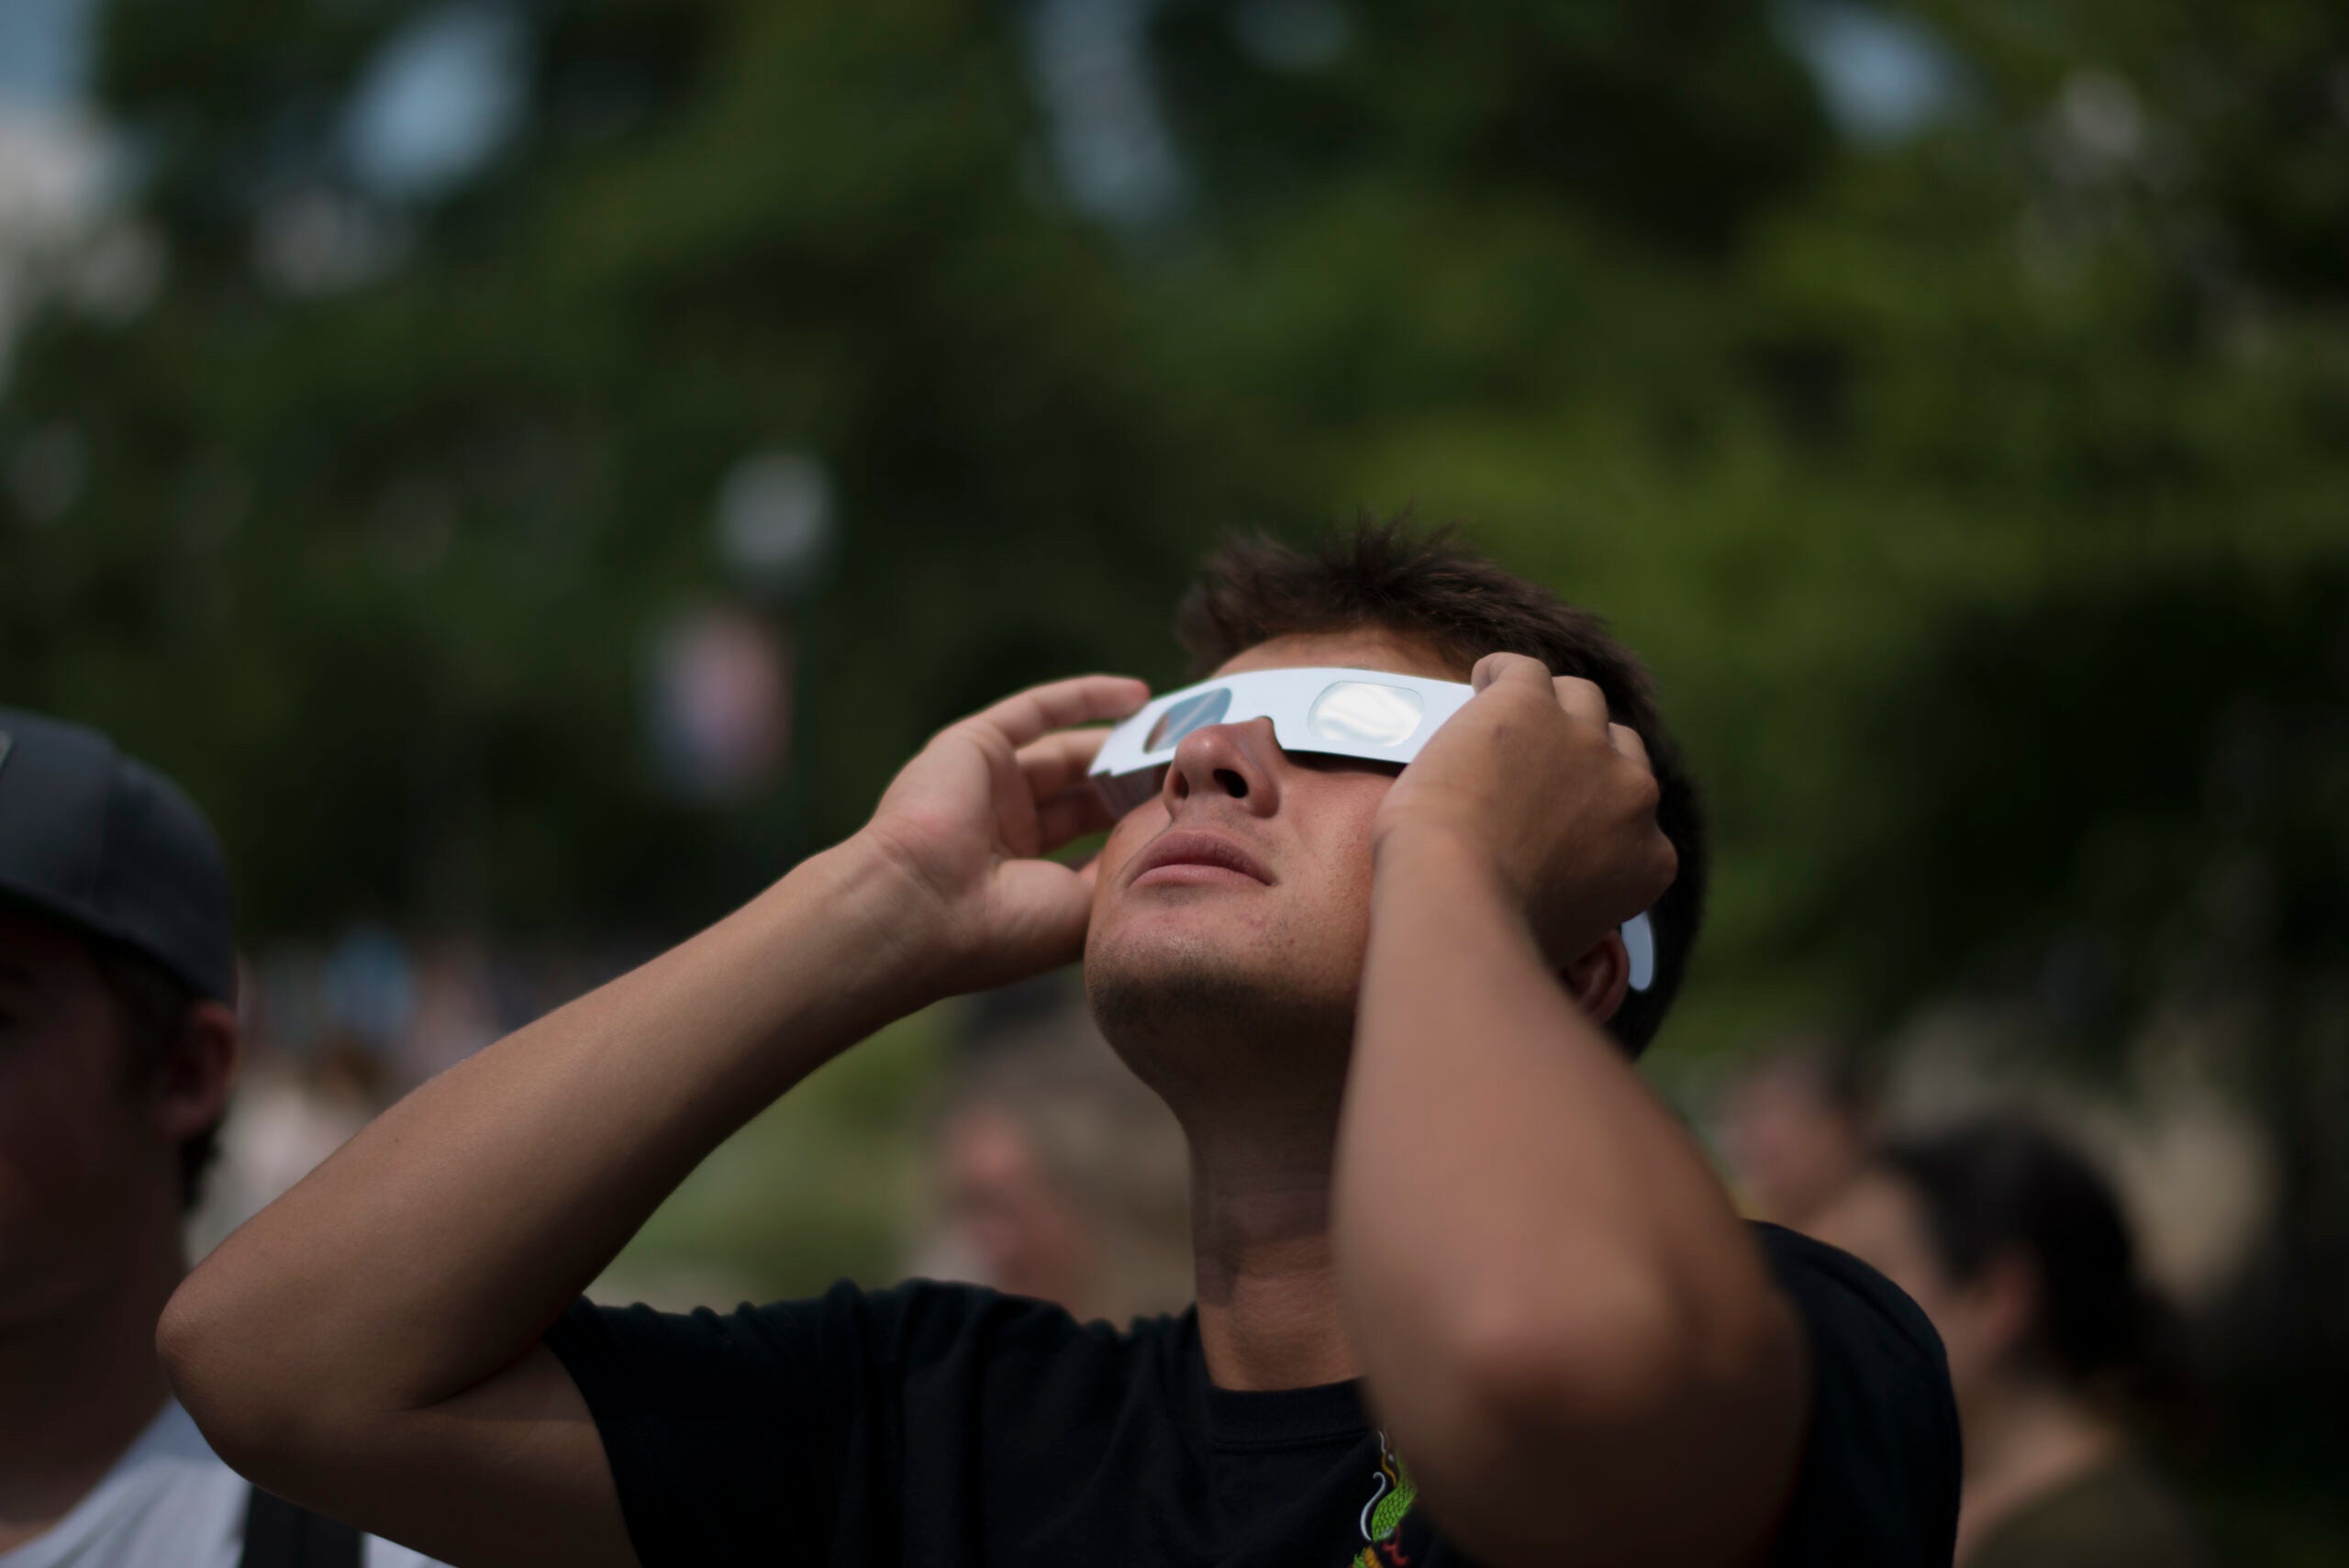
pixel 967 821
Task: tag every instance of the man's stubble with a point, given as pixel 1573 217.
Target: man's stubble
pixel 1229 1034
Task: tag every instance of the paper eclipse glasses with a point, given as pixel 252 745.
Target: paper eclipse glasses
pixel 1369 714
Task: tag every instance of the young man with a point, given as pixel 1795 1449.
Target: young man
pixel 117 1046
pixel 1466 1292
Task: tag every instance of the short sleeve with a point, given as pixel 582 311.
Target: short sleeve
pixel 724 1432
pixel 1879 1476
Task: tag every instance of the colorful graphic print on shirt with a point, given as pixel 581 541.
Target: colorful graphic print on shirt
pixel 1383 1515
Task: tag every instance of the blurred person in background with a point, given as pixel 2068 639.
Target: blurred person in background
pixel 290 1112
pixel 117 1043
pixel 1795 1126
pixel 2018 1252
pixel 1060 1176
pixel 1392 1009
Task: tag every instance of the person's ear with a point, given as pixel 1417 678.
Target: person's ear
pixel 1600 979
pixel 192 1090
pixel 2005 1304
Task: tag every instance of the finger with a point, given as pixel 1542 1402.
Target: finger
pixel 1058 762
pixel 1515 668
pixel 1627 741
pixel 1082 699
pixel 1582 699
pixel 1069 815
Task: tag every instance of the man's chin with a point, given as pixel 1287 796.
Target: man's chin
pixel 1162 982
pixel 1175 948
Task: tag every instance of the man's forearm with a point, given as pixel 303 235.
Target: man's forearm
pixel 1538 1266
pixel 440 1243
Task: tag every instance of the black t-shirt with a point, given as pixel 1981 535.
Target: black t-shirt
pixel 948 1424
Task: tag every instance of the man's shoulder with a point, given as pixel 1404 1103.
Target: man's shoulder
pixel 911 1323
pixel 1829 1284
pixel 919 1316
pixel 167 1498
pixel 1879 1473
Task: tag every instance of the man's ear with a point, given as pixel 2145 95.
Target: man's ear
pixel 2005 1298
pixel 1600 979
pixel 192 1090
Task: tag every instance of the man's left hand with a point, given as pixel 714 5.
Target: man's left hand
pixel 1534 780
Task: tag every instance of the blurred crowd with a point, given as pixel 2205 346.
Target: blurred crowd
pixel 333 1033
pixel 2069 1362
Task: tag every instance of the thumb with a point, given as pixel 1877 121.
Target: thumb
pixel 1049 905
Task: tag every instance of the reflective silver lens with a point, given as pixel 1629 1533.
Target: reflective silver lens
pixel 1189 714
pixel 1361 712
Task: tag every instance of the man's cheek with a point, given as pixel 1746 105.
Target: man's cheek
pixel 1130 833
pixel 44 1156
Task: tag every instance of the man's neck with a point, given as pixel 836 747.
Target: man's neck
pixel 2023 1441
pixel 77 1385
pixel 1268 1288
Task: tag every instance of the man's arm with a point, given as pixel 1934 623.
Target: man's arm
pixel 1573 1339
pixel 369 1344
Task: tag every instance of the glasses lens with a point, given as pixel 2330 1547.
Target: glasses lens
pixel 1186 715
pixel 1360 713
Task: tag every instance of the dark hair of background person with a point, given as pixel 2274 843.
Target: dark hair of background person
pixel 150 1009
pixel 1998 1185
pixel 1429 587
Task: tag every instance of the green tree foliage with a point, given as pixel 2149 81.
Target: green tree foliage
pixel 1601 279
pixel 373 561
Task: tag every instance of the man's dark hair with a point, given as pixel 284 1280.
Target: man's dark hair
pixel 2001 1184
pixel 150 1009
pixel 1433 589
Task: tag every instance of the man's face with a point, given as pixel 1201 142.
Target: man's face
pixel 1793 1148
pixel 1017 1221
pixel 80 1156
pixel 1242 887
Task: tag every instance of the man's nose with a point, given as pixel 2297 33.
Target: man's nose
pixel 1226 761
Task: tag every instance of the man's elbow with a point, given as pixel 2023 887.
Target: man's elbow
pixel 219 1363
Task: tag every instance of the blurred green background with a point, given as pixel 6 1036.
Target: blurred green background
pixel 533 468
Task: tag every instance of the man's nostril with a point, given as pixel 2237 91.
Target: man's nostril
pixel 1233 785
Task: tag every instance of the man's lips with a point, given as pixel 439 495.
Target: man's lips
pixel 1188 855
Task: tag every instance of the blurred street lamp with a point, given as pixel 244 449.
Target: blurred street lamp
pixel 775 521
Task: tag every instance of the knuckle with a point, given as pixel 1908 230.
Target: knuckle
pixel 970 725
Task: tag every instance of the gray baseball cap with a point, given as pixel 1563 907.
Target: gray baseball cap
pixel 95 839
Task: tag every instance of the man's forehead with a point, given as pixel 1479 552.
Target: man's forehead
pixel 1370 648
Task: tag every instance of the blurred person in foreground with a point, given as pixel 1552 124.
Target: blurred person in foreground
pixel 1466 1290
pixel 117 1043
pixel 1796 1128
pixel 2018 1251
pixel 1060 1176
